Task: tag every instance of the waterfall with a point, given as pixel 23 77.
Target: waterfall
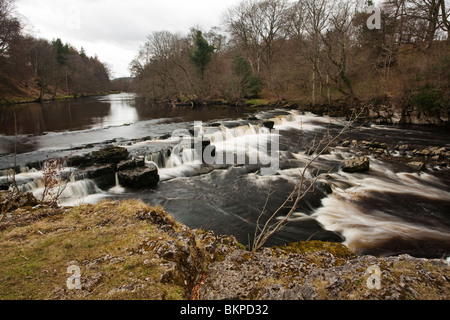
pixel 230 142
pixel 6 173
pixel 295 120
pixel 117 189
pixel 78 176
pixel 32 185
pixel 76 186
pixel 159 158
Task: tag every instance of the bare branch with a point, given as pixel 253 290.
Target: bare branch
pixel 262 235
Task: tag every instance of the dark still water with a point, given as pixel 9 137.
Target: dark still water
pixel 71 123
pixel 389 210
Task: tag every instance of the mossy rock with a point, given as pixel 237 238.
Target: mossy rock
pixel 337 249
pixel 10 201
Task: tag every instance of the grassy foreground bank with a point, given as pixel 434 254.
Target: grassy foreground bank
pixel 129 250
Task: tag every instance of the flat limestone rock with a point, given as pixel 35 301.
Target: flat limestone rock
pixel 356 165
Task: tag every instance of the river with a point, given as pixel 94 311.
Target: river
pixel 391 209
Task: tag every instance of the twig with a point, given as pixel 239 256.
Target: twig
pixel 268 230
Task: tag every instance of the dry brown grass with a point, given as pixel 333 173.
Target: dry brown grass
pixel 103 240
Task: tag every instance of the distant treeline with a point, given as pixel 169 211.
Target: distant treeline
pixel 40 68
pixel 318 51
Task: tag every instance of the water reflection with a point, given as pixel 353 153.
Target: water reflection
pixel 89 113
pixel 121 112
pixel 73 123
pixel 36 118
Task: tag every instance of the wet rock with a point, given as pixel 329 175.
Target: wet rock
pixel 324 186
pixel 110 155
pixel 130 164
pixel 103 175
pixel 80 161
pixel 234 124
pixel 417 165
pixel 439 152
pixel 373 145
pixel 356 165
pixel 391 114
pixel 269 124
pixel 139 178
pixel 402 147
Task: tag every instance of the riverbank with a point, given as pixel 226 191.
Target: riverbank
pixel 379 112
pixel 48 98
pixel 384 113
pixel 388 113
pixel 129 250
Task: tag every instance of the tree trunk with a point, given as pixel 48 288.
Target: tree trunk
pixel 445 21
pixel 433 19
pixel 314 87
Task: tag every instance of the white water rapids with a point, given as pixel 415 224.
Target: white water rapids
pixel 383 211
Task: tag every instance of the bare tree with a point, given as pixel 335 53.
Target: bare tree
pixel 337 41
pixel 445 13
pixel 43 58
pixel 162 65
pixel 273 32
pixel 259 29
pixel 432 9
pixel 419 20
pixel 9 25
pixel 317 22
pixel 242 25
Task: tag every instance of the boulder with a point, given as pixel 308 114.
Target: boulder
pixel 80 161
pixel 139 178
pixel 103 175
pixel 360 164
pixel 130 164
pixel 439 152
pixel 110 155
pixel 233 124
pixel 269 124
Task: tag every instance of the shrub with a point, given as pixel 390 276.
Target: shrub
pixel 427 98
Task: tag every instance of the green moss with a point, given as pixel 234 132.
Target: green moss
pixel 336 249
pixel 257 102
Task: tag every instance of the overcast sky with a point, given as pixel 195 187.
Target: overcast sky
pixel 115 29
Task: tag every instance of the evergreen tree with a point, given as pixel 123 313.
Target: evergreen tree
pixel 245 84
pixel 201 54
pixel 62 51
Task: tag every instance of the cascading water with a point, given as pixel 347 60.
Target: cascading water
pixel 77 189
pixel 387 212
pixel 183 160
pixel 390 209
pixel 117 189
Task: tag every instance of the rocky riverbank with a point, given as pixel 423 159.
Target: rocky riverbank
pixel 378 113
pixel 413 158
pixel 128 250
